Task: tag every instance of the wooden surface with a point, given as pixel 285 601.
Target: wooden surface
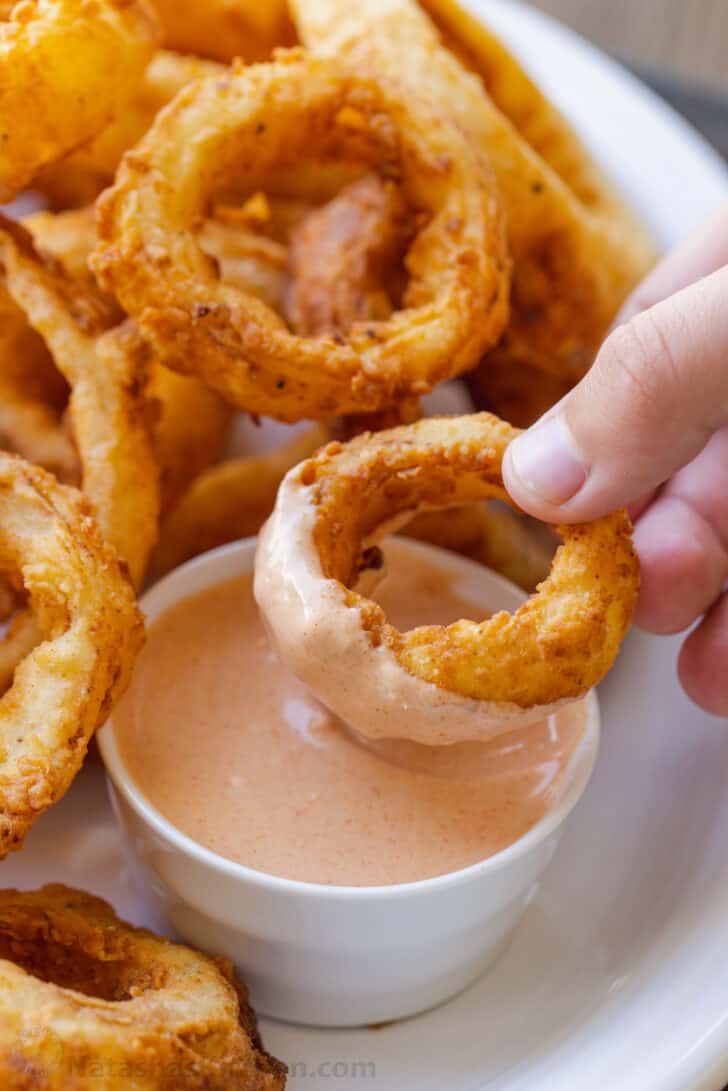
pixel 687 37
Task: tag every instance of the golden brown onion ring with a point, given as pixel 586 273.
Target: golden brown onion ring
pixel 434 684
pixel 228 502
pixel 574 260
pixel 89 1001
pixel 105 369
pixel 273 115
pixel 78 179
pixel 91 631
pixel 66 69
pixel 226 29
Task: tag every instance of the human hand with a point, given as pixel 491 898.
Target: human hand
pixel 648 428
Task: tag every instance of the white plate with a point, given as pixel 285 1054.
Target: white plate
pixel 618 977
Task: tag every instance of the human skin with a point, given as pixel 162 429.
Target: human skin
pixel 648 427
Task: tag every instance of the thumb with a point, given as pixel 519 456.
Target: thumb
pixel 656 392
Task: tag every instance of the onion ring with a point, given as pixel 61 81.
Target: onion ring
pixel 271 116
pixel 574 261
pixel 73 62
pixel 89 1001
pixel 434 684
pixel 91 631
pixel 105 370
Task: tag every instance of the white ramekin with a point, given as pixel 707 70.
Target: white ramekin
pixel 335 955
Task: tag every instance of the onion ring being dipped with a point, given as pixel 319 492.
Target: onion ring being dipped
pixel 574 259
pixel 435 684
pixel 270 116
pixel 105 369
pixel 67 66
pixel 89 1002
pixel 90 629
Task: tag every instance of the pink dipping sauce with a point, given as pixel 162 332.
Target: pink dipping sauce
pixel 239 756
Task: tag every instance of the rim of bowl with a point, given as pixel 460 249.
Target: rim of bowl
pixel 579 772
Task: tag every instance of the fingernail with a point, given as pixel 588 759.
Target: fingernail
pixel 547 462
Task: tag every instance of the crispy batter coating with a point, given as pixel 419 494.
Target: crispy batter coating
pixel 91 629
pixel 78 179
pixel 272 116
pixel 556 646
pixel 67 67
pixel 90 1003
pixel 228 502
pixel 576 251
pixel 226 29
pixel 105 369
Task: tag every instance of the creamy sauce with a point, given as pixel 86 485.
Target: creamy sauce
pixel 237 754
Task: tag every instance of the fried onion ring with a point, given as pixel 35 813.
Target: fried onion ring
pixel 576 251
pixel 91 631
pixel 434 684
pixel 67 66
pixel 105 370
pixel 89 1001
pixel 270 116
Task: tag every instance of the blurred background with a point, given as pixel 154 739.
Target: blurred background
pixel 679 46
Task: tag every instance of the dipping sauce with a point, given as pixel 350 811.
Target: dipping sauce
pixel 238 755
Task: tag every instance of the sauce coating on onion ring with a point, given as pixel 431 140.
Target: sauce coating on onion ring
pixel 435 684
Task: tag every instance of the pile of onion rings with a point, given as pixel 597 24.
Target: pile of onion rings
pixel 435 684
pixel 372 199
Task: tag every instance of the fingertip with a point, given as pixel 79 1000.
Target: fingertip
pixel 543 469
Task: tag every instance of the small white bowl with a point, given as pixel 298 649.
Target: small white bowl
pixel 337 955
